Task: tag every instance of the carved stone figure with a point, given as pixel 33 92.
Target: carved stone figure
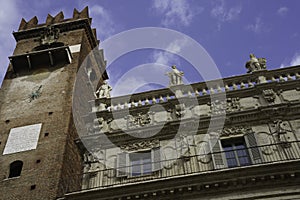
pixel 233 104
pixel 138 120
pixel 49 35
pixel 218 107
pixel 184 146
pixel 142 120
pixel 103 91
pixel 175 76
pixel 89 72
pixel 269 95
pixel 280 130
pixel 90 129
pixel 103 125
pixel 255 64
pixel 180 110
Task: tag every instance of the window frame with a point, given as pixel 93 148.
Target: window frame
pixel 233 144
pixel 15 169
pixel 124 161
pixel 142 159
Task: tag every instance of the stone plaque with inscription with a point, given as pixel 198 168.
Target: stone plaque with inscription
pixel 22 139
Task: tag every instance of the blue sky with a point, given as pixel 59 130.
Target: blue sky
pixel 229 30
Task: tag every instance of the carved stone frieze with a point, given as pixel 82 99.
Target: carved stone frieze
pixel 291 95
pixel 146 144
pixel 138 120
pixel 269 95
pixel 233 104
pixel 221 107
pixel 236 130
pixel 180 110
pixel 102 125
pixel 279 130
pixel 218 107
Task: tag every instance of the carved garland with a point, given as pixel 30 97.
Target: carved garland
pixel 238 130
pixel 149 144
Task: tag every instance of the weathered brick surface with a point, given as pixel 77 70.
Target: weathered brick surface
pixel 59 156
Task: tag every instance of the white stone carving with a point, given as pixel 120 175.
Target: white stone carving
pixel 175 76
pixel 103 91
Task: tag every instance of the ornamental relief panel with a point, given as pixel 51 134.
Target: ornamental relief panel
pixel 139 120
pixel 269 95
pixel 249 103
pixel 291 95
pixel 236 130
pixel 141 145
pixel 281 131
pixel 218 107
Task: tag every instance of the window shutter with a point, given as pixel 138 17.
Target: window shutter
pixel 156 159
pixel 122 164
pixel 254 151
pixel 218 157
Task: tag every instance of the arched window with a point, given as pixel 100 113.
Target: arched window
pixel 15 169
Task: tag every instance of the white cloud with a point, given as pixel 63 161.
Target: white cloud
pixel 282 11
pixel 257 27
pixel 102 20
pixel 139 77
pixel 295 61
pixel 176 12
pixel 224 14
pixel 167 57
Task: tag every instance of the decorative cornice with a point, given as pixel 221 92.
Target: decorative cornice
pixel 63 27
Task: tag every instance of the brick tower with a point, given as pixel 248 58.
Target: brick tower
pixel 38 154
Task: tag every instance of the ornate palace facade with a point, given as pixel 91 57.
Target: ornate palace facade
pixel 236 138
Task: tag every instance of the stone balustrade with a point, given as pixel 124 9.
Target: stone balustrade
pixel 197 89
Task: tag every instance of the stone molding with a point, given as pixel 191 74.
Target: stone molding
pixel 147 144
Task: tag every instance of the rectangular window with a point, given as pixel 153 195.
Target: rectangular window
pixel 140 163
pixel 236 152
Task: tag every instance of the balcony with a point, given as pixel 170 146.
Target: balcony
pixel 36 59
pixel 195 165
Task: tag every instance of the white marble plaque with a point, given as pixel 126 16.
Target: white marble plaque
pixel 22 139
pixel 75 48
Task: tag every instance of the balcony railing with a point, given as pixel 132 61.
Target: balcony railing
pixel 192 165
pixel 200 89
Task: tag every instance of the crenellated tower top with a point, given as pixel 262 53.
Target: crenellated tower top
pixel 31 28
pixel 33 22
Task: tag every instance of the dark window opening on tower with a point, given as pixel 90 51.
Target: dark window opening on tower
pixel 15 169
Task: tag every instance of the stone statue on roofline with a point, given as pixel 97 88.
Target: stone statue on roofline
pixel 255 64
pixel 103 91
pixel 175 76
